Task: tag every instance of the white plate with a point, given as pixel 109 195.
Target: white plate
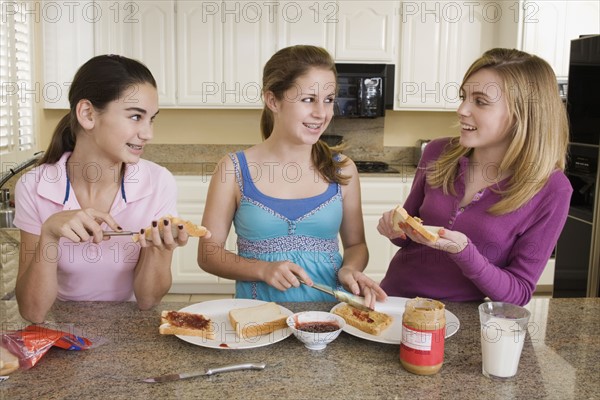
pixel 394 307
pixel 225 336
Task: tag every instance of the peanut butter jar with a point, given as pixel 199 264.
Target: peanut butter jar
pixel 423 332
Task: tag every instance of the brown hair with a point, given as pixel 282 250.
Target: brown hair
pixel 280 74
pixel 100 80
pixel 539 130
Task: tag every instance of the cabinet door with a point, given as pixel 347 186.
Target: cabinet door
pixel 378 196
pixel 68 42
pixel 144 31
pixel 309 23
pixel 249 43
pixel 199 54
pixel 440 40
pixel 543 30
pixel 366 31
pixel 470 34
pixel 422 61
pixel 188 277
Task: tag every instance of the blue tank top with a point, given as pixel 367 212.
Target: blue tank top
pixel 289 208
pixel 303 231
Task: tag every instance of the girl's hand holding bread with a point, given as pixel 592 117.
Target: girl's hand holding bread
pixel 400 222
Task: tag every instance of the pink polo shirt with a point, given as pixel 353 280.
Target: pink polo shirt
pixel 90 271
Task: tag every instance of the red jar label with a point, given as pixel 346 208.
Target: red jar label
pixel 422 347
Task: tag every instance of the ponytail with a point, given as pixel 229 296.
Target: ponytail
pixel 266 122
pixel 329 166
pixel 63 140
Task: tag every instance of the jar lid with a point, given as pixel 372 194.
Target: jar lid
pixel 425 305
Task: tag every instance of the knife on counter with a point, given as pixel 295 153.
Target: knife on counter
pixel 208 372
pixel 353 300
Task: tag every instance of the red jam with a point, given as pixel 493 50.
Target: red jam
pixel 187 320
pixel 362 316
pixel 318 327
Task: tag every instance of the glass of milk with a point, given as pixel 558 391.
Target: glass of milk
pixel 503 328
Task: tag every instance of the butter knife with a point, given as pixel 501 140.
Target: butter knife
pixel 354 301
pixel 208 372
pixel 118 233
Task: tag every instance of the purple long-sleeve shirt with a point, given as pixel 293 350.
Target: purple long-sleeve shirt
pixel 505 254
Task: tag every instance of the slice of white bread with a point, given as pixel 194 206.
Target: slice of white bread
pixel 174 222
pixel 9 363
pixel 372 322
pixel 257 320
pixel 428 232
pixel 187 324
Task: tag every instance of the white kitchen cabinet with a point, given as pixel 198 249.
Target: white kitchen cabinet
pixel 351 31
pixel 144 31
pixel 550 25
pixel 249 43
pixel 439 41
pixel 366 31
pixel 211 54
pixel 68 42
pixel 200 55
pixel 380 194
pixel 188 277
pixel 221 49
pixel 308 23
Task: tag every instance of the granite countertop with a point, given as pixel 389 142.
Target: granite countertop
pixel 559 360
pixel 208 168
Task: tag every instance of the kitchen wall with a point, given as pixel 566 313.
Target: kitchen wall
pixel 178 126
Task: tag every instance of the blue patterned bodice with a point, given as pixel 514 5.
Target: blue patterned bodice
pixel 271 229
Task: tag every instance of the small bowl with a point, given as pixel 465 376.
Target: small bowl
pixel 315 340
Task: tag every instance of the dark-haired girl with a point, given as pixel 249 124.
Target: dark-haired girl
pixel 91 179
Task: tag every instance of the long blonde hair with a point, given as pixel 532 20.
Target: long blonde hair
pixel 539 131
pixel 280 74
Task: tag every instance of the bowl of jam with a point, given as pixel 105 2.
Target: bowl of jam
pixel 316 329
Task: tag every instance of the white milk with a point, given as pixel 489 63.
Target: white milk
pixel 501 346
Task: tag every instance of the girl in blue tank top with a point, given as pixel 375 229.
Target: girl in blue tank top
pixel 290 197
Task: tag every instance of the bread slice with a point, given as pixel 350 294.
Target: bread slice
pixel 187 324
pixel 174 222
pixel 9 363
pixel 372 322
pixel 257 320
pixel 401 215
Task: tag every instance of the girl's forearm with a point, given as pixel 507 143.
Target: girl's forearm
pixel 152 278
pixel 37 284
pixel 215 259
pixel 356 257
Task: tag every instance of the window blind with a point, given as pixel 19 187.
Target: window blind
pixel 16 86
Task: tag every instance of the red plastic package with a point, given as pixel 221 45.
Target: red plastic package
pixel 30 344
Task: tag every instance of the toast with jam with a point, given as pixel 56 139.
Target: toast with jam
pixel 186 324
pixel 371 322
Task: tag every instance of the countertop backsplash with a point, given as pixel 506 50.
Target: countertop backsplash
pixel 363 138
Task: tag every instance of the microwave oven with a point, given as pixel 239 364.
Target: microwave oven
pixel 364 90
